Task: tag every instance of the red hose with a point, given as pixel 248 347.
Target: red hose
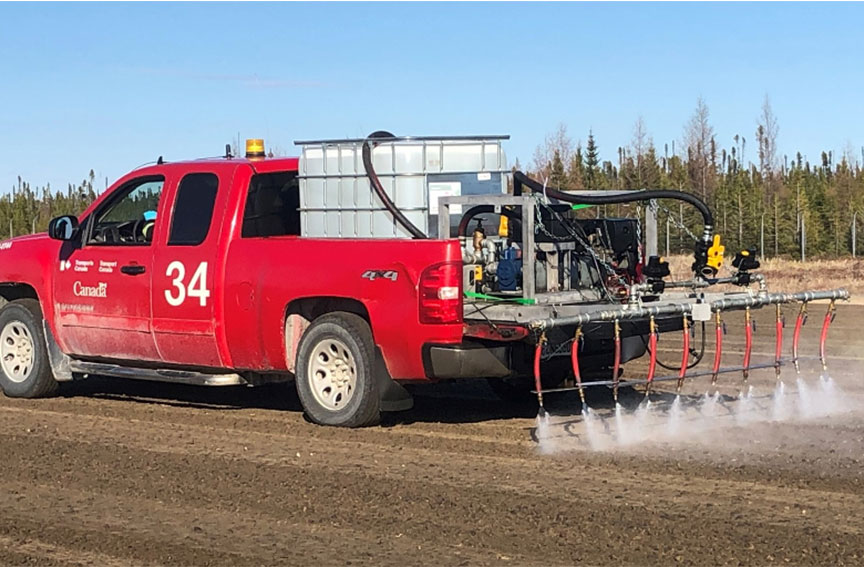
pixel 718 353
pixel 748 343
pixel 652 365
pixel 616 367
pixel 799 322
pixel 778 349
pixel 829 316
pixel 574 360
pixel 538 387
pixel 685 357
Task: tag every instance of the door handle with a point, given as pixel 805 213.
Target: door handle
pixel 133 269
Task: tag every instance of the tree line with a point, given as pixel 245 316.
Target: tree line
pixel 779 205
pixel 28 209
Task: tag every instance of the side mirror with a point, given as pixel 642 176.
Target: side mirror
pixel 63 228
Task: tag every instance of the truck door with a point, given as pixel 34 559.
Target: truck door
pixel 102 287
pixel 186 286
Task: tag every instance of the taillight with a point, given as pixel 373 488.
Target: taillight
pixel 441 293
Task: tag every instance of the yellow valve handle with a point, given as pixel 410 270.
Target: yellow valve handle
pixel 715 253
pixel 504 227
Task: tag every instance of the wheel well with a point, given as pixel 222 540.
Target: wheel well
pixel 301 312
pixel 12 291
pixel 313 307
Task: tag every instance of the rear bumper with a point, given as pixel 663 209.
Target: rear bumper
pixel 467 360
pixel 478 360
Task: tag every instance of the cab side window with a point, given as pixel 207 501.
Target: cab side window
pixel 272 206
pixel 129 217
pixel 193 209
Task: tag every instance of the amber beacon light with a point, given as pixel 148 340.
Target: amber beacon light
pixel 255 148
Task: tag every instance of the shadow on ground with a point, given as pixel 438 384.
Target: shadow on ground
pixel 467 401
pixel 445 402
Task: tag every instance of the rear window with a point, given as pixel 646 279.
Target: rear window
pixel 272 206
pixel 193 209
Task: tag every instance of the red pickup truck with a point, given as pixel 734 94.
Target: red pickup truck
pixel 330 270
pixel 194 272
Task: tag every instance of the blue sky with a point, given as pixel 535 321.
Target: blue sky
pixel 110 86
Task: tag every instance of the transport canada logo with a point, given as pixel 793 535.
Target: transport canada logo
pixel 98 290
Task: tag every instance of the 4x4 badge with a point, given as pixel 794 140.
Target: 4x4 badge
pixel 370 275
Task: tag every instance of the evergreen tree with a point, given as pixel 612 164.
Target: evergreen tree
pixel 576 171
pixel 557 175
pixel 592 161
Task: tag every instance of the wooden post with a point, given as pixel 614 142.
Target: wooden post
pixel 667 235
pixel 762 235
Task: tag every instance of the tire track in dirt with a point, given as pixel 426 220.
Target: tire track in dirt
pixel 46 554
pixel 281 429
pixel 150 531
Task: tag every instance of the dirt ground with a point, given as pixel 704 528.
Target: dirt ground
pixel 119 472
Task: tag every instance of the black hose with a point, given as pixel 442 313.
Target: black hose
pixel 379 189
pixel 692 364
pixel 520 179
pixel 479 210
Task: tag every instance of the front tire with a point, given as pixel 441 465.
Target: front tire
pixel 25 371
pixel 335 377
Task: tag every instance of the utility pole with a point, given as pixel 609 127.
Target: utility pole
pixel 854 216
pixel 762 235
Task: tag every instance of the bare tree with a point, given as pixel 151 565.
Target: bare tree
pixel 766 137
pixel 642 159
pixel 699 141
pixel 766 140
pixel 641 139
pixel 850 155
pixel 558 141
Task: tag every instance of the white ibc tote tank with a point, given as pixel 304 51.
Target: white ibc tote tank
pixel 336 199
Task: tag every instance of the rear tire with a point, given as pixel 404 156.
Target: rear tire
pixel 25 370
pixel 335 372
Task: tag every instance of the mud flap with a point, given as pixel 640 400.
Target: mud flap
pixel 60 361
pixel 393 396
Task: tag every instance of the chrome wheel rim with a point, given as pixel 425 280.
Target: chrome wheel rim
pixel 16 351
pixel 332 374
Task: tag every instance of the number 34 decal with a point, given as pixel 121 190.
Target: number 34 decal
pixel 197 285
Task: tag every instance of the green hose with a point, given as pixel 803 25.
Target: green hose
pixel 519 300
